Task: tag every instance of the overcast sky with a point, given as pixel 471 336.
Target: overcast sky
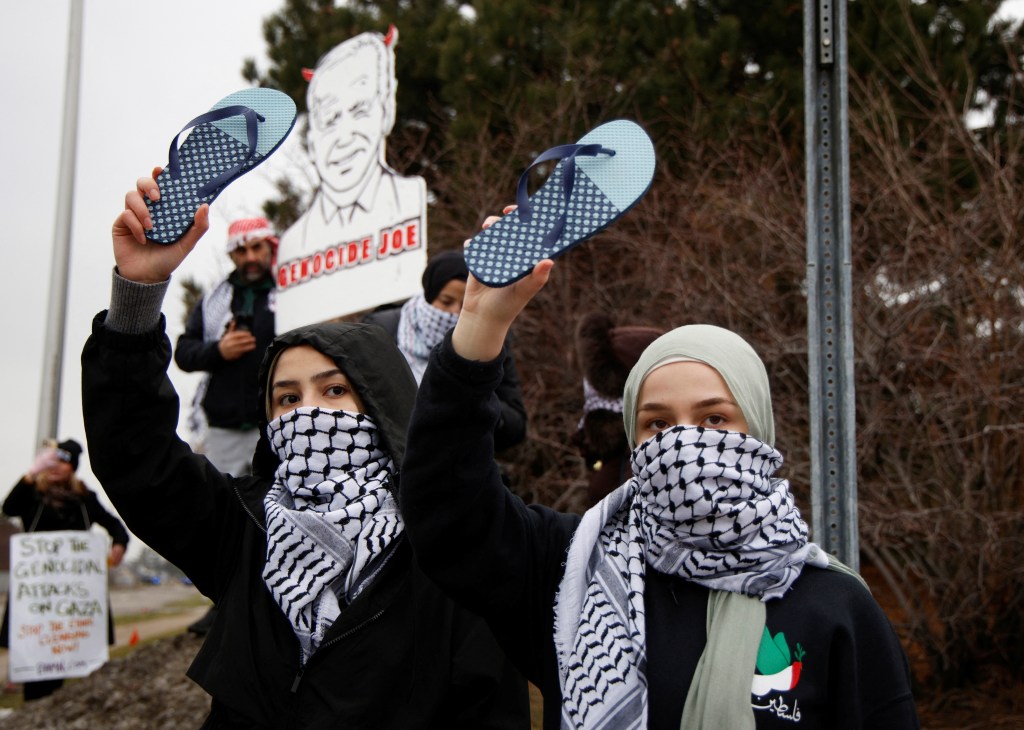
pixel 146 69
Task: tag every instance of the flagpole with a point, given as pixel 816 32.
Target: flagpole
pixel 56 313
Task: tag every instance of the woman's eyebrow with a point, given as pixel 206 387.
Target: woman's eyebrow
pixel 706 403
pixel 332 373
pixel 715 401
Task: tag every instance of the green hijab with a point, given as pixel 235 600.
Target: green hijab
pixel 725 351
pixel 719 695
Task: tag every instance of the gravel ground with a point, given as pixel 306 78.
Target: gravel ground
pixel 146 688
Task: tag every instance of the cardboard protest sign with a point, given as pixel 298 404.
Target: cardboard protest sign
pixel 58 604
pixel 363 240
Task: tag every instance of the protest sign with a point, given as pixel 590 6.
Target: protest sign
pixel 363 240
pixel 58 605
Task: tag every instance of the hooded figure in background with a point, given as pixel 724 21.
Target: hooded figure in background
pixel 325 618
pixel 607 353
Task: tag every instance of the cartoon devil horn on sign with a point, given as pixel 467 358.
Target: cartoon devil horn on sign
pixel 389 39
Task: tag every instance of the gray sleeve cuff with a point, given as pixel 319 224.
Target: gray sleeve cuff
pixel 134 307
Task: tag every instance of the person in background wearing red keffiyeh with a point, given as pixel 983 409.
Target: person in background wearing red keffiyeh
pixel 226 335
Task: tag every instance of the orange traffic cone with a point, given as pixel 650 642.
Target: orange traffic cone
pixel 134 638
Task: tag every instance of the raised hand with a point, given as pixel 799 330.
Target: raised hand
pixel 488 312
pixel 138 259
pixel 44 461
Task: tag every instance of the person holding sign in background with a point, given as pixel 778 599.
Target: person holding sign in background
pixel 49 497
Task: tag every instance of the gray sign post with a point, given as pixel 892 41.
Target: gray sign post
pixel 829 298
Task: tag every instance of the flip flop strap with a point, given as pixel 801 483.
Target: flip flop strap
pixel 568 153
pixel 251 118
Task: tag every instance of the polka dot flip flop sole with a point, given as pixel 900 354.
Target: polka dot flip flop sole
pixel 596 182
pixel 238 133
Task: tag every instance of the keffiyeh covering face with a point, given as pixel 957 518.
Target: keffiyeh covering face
pixel 701 505
pixel 420 327
pixel 329 514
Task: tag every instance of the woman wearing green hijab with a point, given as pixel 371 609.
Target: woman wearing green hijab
pixel 690 597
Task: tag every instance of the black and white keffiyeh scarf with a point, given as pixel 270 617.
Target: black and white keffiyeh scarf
pixel 421 326
pixel 702 504
pixel 329 514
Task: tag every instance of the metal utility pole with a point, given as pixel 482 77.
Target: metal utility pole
pixel 829 295
pixel 56 312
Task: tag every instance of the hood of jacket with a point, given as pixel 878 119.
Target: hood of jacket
pixel 372 363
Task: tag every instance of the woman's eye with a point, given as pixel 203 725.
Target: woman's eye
pixel 658 424
pixel 337 390
pixel 287 399
pixel 715 421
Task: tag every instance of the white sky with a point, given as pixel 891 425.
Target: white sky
pixel 147 68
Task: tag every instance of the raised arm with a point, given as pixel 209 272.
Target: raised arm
pixel 488 313
pixel 476 539
pixel 174 500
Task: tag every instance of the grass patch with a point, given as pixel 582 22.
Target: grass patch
pixel 170 609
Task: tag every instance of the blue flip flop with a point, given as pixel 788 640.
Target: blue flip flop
pixel 598 179
pixel 238 133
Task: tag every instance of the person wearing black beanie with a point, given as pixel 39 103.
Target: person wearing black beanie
pixel 423 321
pixel 448 267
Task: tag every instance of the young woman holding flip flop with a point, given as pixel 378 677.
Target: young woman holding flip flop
pixel 690 597
pixel 325 618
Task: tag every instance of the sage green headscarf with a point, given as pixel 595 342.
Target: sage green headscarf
pixel 719 695
pixel 725 351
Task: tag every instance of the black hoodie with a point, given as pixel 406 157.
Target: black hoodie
pixel 373 365
pixel 401 655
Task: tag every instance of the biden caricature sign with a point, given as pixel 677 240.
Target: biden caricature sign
pixel 362 241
